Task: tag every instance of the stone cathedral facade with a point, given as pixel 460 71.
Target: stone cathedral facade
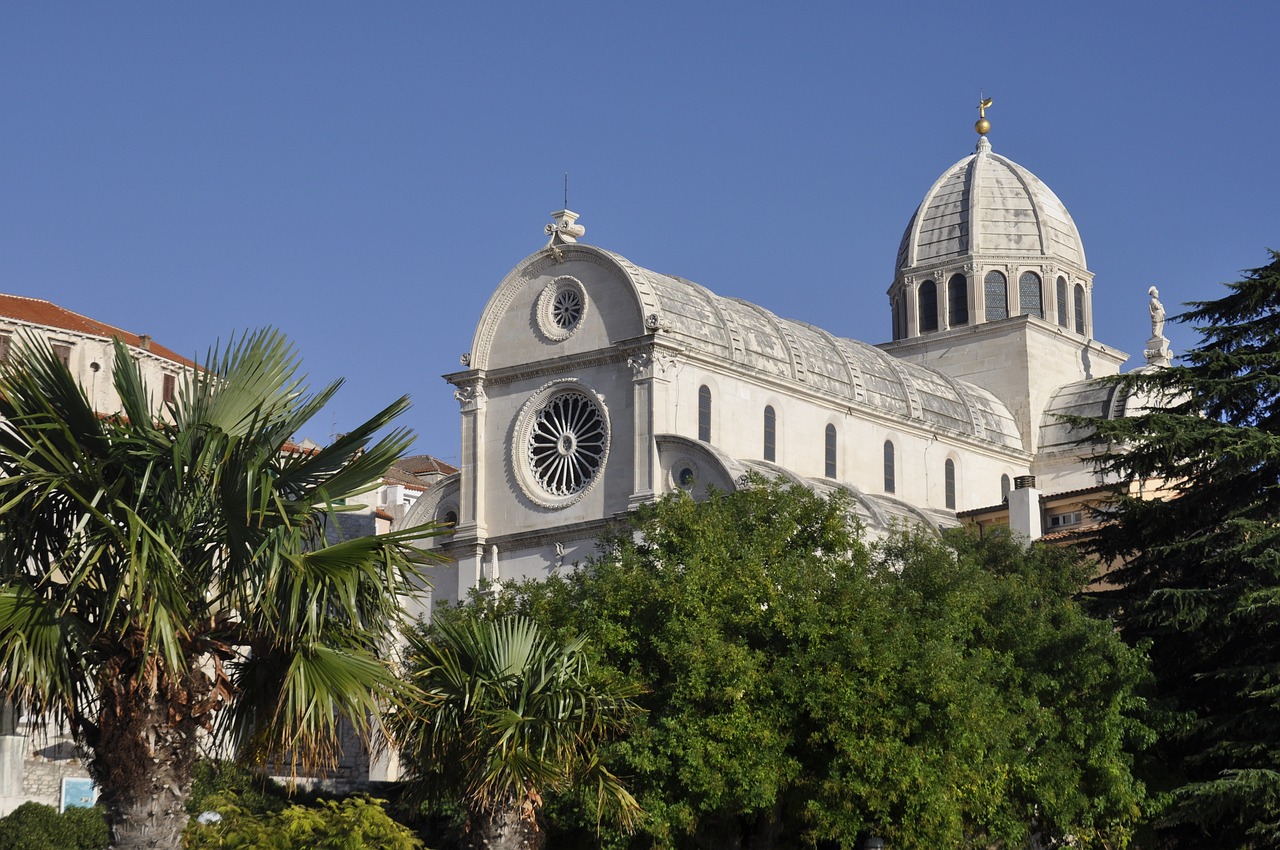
pixel 594 385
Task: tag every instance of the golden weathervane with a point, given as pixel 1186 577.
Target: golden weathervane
pixel 983 125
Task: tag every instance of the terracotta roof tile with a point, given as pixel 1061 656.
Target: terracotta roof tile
pixel 424 465
pixel 40 312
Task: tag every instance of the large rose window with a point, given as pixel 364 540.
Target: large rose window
pixel 565 437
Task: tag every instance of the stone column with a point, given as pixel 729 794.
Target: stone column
pixel 471 514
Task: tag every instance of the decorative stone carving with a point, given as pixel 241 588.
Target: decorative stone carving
pixel 1157 313
pixel 641 365
pixel 564 231
pixel 666 361
pixel 560 308
pixel 1157 351
pixel 653 322
pixel 560 444
pixel 469 397
pixel 465 359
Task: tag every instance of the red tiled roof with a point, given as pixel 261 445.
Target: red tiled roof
pixel 424 465
pixel 40 312
pixel 399 476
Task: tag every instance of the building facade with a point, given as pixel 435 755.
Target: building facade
pixel 39 761
pixel 594 385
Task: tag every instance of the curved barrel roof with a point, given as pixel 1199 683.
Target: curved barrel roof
pixel 856 373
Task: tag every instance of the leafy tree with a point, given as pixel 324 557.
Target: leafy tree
pixel 1199 574
pixel 161 571
pixel 505 717
pixel 802 687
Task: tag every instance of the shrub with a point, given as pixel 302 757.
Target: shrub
pixel 357 823
pixel 254 792
pixel 35 826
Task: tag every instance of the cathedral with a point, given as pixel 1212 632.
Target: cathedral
pixel 594 385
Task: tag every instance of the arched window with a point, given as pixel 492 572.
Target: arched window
pixel 1062 302
pixel 1080 309
pixel 996 295
pixel 1030 297
pixel 899 331
pixel 957 301
pixel 890 486
pixel 928 306
pixel 949 471
pixel 831 451
pixel 704 413
pixel 1004 488
pixel 770 434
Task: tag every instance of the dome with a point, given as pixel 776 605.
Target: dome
pixel 987 205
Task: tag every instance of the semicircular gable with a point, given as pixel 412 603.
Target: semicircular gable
pixel 536 271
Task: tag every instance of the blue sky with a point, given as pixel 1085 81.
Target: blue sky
pixel 363 175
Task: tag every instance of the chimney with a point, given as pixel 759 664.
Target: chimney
pixel 144 342
pixel 1025 518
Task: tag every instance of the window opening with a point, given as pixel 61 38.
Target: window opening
pixel 996 295
pixel 63 353
pixel 928 306
pixel 704 413
pixel 889 483
pixel 949 470
pixel 1030 297
pixel 1062 520
pixel 1004 488
pixel 1062 302
pixel 957 301
pixel 1080 309
pixel 770 434
pixel 831 452
pixel 170 388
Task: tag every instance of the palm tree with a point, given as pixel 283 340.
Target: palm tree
pixel 160 572
pixel 504 716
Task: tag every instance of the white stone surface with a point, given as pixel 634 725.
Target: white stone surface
pixel 983 396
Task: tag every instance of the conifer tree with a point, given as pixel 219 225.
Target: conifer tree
pixel 1200 564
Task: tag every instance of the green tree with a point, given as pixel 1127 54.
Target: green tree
pixel 161 571
pixel 505 717
pixel 1199 574
pixel 802 687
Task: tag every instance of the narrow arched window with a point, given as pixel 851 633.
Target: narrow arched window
pixel 957 301
pixel 890 485
pixel 704 413
pixel 995 289
pixel 831 451
pixel 928 296
pixel 1004 488
pixel 770 434
pixel 1030 298
pixel 1062 302
pixel 1080 309
pixel 949 473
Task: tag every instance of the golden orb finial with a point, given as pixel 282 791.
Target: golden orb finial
pixel 982 125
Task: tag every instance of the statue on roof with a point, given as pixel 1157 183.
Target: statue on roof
pixel 1157 351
